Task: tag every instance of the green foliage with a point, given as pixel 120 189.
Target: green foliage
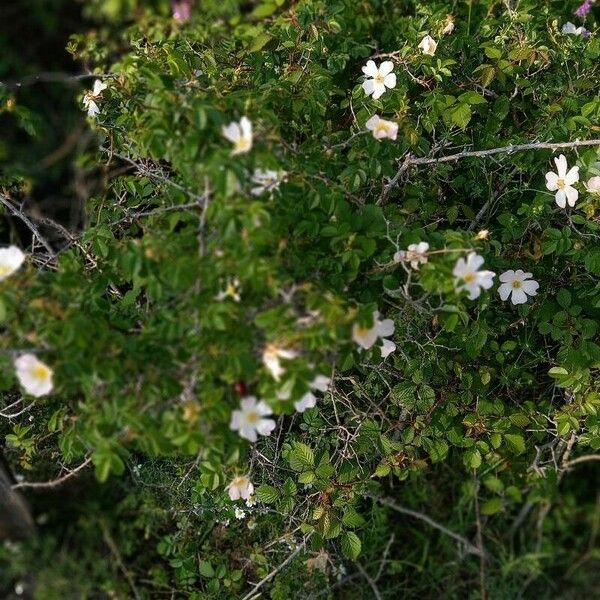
pixel 471 421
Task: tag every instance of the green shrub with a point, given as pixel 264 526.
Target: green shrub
pixel 214 270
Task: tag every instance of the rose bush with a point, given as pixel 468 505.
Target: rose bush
pixel 314 342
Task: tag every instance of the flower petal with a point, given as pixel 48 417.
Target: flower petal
pixel 369 86
pixel 551 181
pixel 530 287
pixel 504 290
pixel 390 81
pixel 572 195
pixel 561 165
pixel 519 296
pixel 386 67
pixel 370 69
pixel 561 198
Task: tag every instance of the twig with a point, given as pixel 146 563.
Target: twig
pixel 370 581
pixel 274 572
pixel 115 552
pixel 50 78
pixel 54 482
pixel 482 586
pixel 422 517
pixel 34 230
pixel 581 459
pixel 410 161
pixel 143 170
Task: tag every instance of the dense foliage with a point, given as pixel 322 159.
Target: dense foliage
pixel 212 269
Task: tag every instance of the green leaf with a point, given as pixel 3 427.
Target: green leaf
pixel 492 506
pixel 301 457
pixel 206 569
pixel 515 442
pixel 267 494
pixel 461 115
pixel 351 545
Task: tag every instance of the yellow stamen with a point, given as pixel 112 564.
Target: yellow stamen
pixel 252 417
pixel 41 372
pixel 469 277
pixel 517 284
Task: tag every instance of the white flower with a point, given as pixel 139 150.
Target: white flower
pixel 34 375
pixel 381 128
pixel 562 182
pixel 91 96
pixel 272 354
pixel 428 45
pixel 365 337
pixel 320 383
pixel 307 401
pixel 11 259
pixel 593 185
pixel 249 419
pixel 381 78
pixel 240 487
pixel 569 29
pixel 266 181
pixel 239 513
pixel 240 135
pixel 416 254
pixel 519 284
pixel 469 278
pixel 232 290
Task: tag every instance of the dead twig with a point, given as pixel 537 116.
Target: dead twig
pixel 469 547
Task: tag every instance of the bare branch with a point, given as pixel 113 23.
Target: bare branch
pixel 411 161
pixel 54 482
pixel 287 561
pixel 581 459
pixel 423 517
pixel 34 230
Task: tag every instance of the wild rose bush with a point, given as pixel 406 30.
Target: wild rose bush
pixel 295 318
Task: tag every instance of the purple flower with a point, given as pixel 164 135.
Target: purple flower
pixel 182 9
pixel 584 9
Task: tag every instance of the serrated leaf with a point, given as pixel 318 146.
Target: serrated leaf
pixel 351 545
pixel 267 494
pixel 301 457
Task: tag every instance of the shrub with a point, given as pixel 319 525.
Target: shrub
pixel 305 308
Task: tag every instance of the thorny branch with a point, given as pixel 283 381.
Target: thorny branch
pixel 411 161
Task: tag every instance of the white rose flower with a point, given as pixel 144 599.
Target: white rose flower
pixel 240 487
pixel 11 259
pixel 240 135
pixel 519 284
pixel 320 383
pixel 34 375
pixel 562 182
pixel 468 277
pixel 91 96
pixel 428 45
pixel 249 419
pixel 307 401
pixel 266 181
pixel 232 290
pixel 593 185
pixel 272 355
pixel 366 337
pixel 381 128
pixel 380 78
pixel 416 254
